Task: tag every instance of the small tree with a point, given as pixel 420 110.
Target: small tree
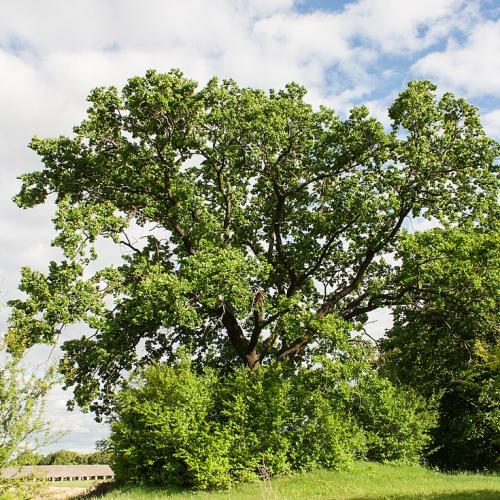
pixel 23 428
pixel 265 222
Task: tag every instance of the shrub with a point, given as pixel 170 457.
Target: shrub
pixel 444 342
pixel 396 422
pixel 284 424
pixel 174 426
pixel 468 431
pixel 162 416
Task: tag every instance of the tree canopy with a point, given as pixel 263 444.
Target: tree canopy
pixel 267 225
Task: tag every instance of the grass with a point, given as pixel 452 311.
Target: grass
pixel 364 481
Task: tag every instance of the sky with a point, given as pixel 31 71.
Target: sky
pixel 53 52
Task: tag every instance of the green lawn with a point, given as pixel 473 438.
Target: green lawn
pixel 363 481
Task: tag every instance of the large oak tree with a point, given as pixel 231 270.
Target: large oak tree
pixel 267 223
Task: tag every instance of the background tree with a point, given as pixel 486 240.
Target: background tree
pixel 23 428
pixel 69 457
pixel 265 222
pixel 445 340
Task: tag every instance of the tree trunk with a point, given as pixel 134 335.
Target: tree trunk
pixel 253 360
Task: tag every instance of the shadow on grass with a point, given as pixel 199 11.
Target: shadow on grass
pixel 97 492
pixel 469 495
pixel 102 489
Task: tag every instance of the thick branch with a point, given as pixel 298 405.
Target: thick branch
pixel 252 247
pixel 182 235
pixel 297 346
pixel 354 308
pixel 258 314
pixel 237 337
pixel 275 316
pixel 269 342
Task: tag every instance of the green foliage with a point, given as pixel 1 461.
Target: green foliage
pixel 445 340
pixel 69 457
pixel 263 222
pixel 174 426
pixel 396 422
pixel 21 406
pixel 161 423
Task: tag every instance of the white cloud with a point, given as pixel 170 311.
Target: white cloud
pixel 491 122
pixel 379 109
pixel 397 26
pixel 472 66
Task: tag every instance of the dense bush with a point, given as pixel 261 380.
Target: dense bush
pixel 396 422
pixel 468 431
pixel 172 425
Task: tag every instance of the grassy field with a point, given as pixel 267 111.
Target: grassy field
pixel 363 481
